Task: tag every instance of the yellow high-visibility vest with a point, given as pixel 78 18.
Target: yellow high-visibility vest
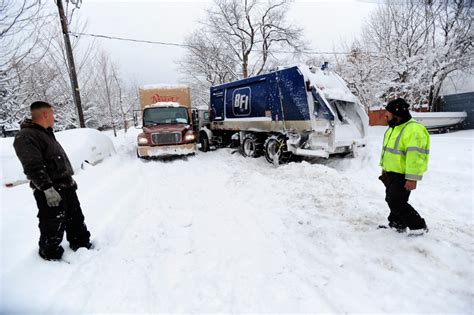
pixel 406 150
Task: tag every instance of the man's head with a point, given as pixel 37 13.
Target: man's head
pixel 42 114
pixel 397 110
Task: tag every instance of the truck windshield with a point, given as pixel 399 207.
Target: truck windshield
pixel 165 115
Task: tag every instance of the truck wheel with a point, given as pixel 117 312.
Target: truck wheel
pixel 250 146
pixel 204 141
pixel 276 151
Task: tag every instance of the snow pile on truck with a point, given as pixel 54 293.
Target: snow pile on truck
pixel 296 110
pixel 166 121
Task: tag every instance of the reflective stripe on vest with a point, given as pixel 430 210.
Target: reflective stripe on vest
pixel 413 177
pixel 397 142
pixel 419 150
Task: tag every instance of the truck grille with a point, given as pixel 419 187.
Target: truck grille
pixel 166 138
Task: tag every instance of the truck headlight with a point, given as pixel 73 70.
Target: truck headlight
pixel 189 136
pixel 142 140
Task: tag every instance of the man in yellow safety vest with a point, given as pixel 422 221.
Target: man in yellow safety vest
pixel 404 159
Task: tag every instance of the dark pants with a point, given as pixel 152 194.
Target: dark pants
pixel 402 214
pixel 53 221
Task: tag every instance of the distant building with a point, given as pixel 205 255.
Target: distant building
pixel 457 95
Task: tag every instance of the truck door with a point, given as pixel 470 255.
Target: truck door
pixel 217 105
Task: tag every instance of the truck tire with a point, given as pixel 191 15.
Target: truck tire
pixel 250 146
pixel 276 151
pixel 204 141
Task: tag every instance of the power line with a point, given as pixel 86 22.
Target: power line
pixel 128 39
pixel 309 52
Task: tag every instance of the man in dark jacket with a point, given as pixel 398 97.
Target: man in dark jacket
pixel 47 167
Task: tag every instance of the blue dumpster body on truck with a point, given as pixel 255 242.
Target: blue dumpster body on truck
pixel 290 103
pixel 258 96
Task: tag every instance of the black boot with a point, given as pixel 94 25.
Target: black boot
pixel 51 255
pixel 75 247
pixel 400 228
pixel 420 231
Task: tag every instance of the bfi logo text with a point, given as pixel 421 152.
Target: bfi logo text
pixel 241 101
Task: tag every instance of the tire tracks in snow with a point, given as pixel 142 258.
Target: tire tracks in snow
pixel 108 228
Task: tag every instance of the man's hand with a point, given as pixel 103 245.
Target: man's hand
pixel 410 185
pixel 53 198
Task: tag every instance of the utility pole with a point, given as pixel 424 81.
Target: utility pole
pixel 71 66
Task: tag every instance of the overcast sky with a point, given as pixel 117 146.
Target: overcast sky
pixel 326 24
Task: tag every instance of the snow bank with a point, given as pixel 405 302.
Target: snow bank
pixel 81 145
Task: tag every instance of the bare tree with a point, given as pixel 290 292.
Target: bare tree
pixel 360 69
pixel 23 43
pixel 42 73
pixel 455 49
pixel 105 71
pixel 119 87
pixel 399 34
pixel 34 66
pixel 20 29
pixel 238 39
pixel 416 44
pixel 207 62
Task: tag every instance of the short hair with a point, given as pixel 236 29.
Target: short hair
pixel 39 104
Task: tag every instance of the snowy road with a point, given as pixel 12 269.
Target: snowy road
pixel 221 233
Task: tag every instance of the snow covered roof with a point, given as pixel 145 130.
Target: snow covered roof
pixel 163 86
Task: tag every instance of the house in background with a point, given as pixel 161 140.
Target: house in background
pixel 377 115
pixel 457 95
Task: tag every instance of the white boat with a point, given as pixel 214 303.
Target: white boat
pixel 439 120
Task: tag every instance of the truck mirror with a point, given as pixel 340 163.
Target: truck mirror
pixel 195 118
pixel 137 119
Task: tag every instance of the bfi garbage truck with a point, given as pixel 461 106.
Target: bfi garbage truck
pixel 166 121
pixel 298 110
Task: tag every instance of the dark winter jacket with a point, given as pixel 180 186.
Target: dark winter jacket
pixel 44 161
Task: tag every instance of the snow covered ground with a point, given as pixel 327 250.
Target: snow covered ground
pixel 218 232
